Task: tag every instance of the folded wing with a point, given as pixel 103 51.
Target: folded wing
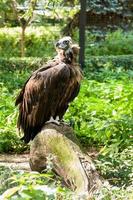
pixel 40 98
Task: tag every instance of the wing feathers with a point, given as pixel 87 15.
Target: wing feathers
pixel 40 98
pixel 46 93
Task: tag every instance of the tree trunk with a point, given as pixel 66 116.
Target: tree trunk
pixel 69 161
pixel 22 41
pixel 82 23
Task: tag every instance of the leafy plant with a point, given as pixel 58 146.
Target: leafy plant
pixel 113 43
pixel 103 117
pixel 109 192
pixel 39 41
pixel 116 167
pixel 31 185
pixel 110 63
pixel 103 111
pixel 117 171
pixel 9 138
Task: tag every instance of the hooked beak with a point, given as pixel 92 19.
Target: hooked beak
pixel 64 43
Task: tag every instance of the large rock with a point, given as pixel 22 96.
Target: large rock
pixel 58 145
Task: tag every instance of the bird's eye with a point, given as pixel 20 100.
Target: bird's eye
pixel 66 42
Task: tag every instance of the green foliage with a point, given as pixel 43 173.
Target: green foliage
pixel 103 116
pixel 114 43
pixel 39 41
pixel 17 12
pixel 117 167
pixel 109 192
pixel 10 142
pixel 103 111
pixel 104 6
pixel 93 63
pixel 120 62
pixel 22 185
pixel 9 84
pixel 17 65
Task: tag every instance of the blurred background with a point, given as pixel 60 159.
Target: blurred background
pixel 108 26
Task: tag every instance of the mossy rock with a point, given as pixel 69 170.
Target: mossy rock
pixel 69 161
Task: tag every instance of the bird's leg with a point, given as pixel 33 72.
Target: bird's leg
pixel 57 118
pixel 52 120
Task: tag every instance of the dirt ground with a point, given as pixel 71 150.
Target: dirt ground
pixel 15 161
pixel 21 161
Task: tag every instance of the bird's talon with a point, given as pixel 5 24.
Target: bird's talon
pixel 54 121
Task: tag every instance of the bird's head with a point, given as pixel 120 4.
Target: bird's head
pixel 64 43
pixel 67 51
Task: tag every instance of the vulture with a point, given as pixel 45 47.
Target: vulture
pixel 47 93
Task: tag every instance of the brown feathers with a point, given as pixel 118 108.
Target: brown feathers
pixel 47 93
